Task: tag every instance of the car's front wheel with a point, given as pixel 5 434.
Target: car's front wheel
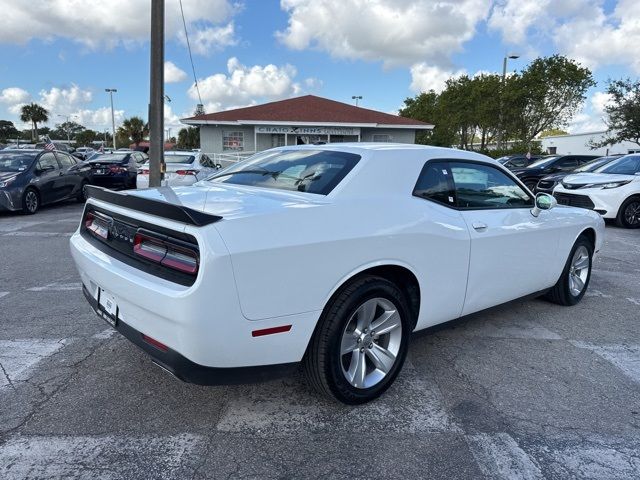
pixel 629 213
pixel 30 201
pixel 361 341
pixel 573 283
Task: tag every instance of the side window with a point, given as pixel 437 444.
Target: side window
pixel 566 163
pixel 65 160
pixel 48 161
pixel 480 186
pixel 434 183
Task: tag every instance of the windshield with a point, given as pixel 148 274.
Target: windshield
pixel 312 171
pixel 179 158
pixel 627 165
pixel 108 157
pixel 15 161
pixel 543 162
pixel 594 164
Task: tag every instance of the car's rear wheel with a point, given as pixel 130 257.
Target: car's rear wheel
pixel 360 343
pixel 574 281
pixel 82 193
pixel 30 201
pixel 629 213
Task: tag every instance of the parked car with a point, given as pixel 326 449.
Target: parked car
pixel 61 147
pixel 83 153
pixel 116 170
pixel 542 167
pixel 519 160
pixel 182 168
pixel 548 183
pixel 612 190
pixel 32 178
pixel 307 254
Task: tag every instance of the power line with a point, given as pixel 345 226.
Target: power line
pixel 193 68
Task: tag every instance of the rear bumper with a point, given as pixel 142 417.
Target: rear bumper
pixel 115 181
pixel 188 371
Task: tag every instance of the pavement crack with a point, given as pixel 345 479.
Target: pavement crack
pixel 6 374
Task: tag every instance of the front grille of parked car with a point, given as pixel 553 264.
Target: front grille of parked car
pixel 582 201
pixel 546 184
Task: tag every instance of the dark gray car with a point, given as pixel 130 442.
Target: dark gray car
pixel 31 178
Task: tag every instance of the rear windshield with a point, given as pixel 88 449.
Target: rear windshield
pixel 109 157
pixel 15 161
pixel 311 171
pixel 179 158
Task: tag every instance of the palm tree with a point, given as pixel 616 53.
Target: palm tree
pixel 35 114
pixel 134 129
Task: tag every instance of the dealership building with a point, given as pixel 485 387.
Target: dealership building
pixel 296 121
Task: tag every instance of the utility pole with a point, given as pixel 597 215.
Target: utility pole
pixel 156 98
pixel 504 80
pixel 111 91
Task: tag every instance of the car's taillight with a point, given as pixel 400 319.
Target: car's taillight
pixel 186 172
pixel 97 225
pixel 166 253
pixel 117 169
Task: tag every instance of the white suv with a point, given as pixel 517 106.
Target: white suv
pixel 613 191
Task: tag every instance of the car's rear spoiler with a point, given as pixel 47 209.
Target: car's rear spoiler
pixel 158 208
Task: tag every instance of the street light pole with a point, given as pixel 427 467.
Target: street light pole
pixel 504 79
pixel 356 98
pixel 156 98
pixel 111 91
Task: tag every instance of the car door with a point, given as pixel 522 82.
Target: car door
pixel 48 180
pixel 70 179
pixel 510 247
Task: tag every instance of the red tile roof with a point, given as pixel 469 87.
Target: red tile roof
pixel 308 109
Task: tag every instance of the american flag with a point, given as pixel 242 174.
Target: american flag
pixel 49 145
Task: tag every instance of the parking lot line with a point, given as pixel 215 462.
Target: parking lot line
pixel 19 357
pixel 12 226
pixel 499 456
pixel 57 287
pixel 3 294
pixel 625 357
pixel 118 456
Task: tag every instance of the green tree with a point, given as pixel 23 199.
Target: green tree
pixel 7 130
pixel 623 113
pixel 552 132
pixel 188 138
pixel 85 137
pixel 426 107
pixel 66 130
pixel 133 129
pixel 35 114
pixel 546 94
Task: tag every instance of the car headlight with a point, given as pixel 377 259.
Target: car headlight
pixel 607 185
pixel 7 182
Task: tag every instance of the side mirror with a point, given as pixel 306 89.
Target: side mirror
pixel 544 201
pixel 46 168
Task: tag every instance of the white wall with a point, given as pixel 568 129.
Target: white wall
pixel 398 135
pixel 579 144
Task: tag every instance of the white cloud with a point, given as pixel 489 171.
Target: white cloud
pixel 245 85
pixel 398 32
pixel 429 77
pixel 207 40
pixel 99 119
pixel 64 100
pixel 96 23
pixel 592 117
pixel 513 18
pixel 14 95
pixel 173 74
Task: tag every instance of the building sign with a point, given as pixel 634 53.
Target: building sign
pixel 308 130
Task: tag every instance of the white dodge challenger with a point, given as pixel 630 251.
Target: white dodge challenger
pixel 323 256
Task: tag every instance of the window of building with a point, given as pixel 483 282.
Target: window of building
pixel 232 140
pixel 277 140
pixel 382 137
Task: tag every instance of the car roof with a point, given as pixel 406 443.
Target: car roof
pixel 23 150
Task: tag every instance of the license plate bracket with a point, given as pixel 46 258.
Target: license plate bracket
pixel 107 307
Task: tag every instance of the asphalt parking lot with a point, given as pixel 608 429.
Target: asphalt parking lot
pixel 527 390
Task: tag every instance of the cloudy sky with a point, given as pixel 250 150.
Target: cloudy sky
pixel 64 53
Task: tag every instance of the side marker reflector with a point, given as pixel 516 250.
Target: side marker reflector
pixel 155 343
pixel 270 331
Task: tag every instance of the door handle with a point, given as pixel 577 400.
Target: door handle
pixel 479 226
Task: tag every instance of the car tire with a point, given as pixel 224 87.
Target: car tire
pixel 372 360
pixel 629 213
pixel 82 193
pixel 573 283
pixel 30 201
